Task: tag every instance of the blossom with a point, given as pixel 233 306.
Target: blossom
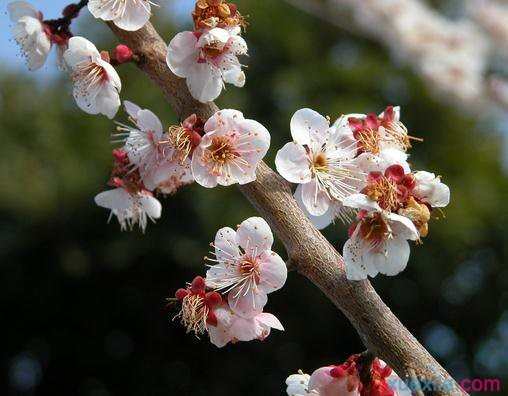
pixel 30 33
pixel 130 201
pixel 204 311
pixel 230 150
pixel 322 161
pixel 96 83
pixel 378 241
pixel 231 327
pixel 126 14
pixel 246 268
pixel 207 60
pixel 130 208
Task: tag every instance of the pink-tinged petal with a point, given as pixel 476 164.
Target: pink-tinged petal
pixel 292 162
pixel 361 201
pixel 149 122
pixel 204 82
pixel 247 301
pixel 226 246
pixel 308 126
pixel 243 329
pixel 394 257
pixel 169 176
pixel 182 53
pixel 254 235
pixel 273 272
pixel 403 227
pixel 396 114
pixel 270 320
pixel 223 120
pixel 135 16
pixel 320 378
pixel 220 335
pixel 200 171
pixel 19 9
pixel 314 198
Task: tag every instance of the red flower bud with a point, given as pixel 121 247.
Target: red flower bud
pixel 122 53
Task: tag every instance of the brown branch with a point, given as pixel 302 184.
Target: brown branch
pixel 307 248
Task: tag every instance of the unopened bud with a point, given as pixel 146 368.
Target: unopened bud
pixel 122 53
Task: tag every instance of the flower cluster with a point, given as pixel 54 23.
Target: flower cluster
pixel 225 150
pixel 208 56
pixel 228 304
pixel 355 377
pixel 357 169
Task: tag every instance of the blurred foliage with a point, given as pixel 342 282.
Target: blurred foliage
pixel 83 303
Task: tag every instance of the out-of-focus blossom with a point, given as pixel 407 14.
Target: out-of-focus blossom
pixel 230 150
pixel 96 83
pixel 208 60
pixel 126 14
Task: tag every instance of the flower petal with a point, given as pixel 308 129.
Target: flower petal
pixel 307 126
pixel 292 163
pixel 273 272
pixel 246 301
pixel 254 236
pixel 315 199
pixel 182 53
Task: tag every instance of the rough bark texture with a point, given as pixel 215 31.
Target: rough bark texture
pixel 308 250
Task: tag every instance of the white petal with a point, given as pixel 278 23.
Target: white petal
pixel 150 205
pixel 358 264
pixel 149 122
pixel 315 199
pixel 237 45
pixel 200 172
pixel 226 246
pixel 394 258
pixel 98 10
pixel 235 76
pixel 320 222
pixel 107 101
pixel 204 82
pixel 403 227
pixel 254 235
pixel 308 125
pixel 136 15
pixel 361 201
pixel 273 272
pixel 270 320
pixel 292 163
pixel 182 53
pixel 223 120
pixel 80 49
pixel 213 36
pixel 117 199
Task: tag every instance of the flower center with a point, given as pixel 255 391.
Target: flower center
pixel 221 151
pixel 319 162
pixel 181 141
pixel 249 268
pixel 368 140
pixel 374 229
pixel 89 74
pixel 385 192
pixel 194 313
pixel 213 49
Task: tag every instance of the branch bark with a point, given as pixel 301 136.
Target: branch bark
pixel 308 250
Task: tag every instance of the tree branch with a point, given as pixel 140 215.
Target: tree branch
pixel 307 248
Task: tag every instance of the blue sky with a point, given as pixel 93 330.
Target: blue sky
pixel 51 9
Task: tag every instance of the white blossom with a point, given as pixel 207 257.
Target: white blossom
pixel 208 60
pixel 96 83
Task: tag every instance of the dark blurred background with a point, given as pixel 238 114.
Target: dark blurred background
pixel 83 303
